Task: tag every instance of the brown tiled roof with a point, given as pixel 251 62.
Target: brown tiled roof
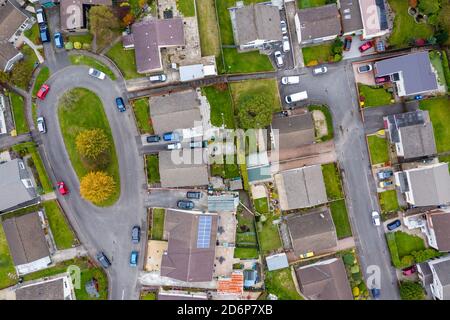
pixel 232 285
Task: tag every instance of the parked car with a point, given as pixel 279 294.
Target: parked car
pixel 290 80
pixel 40 16
pixel 296 97
pixel 171 136
pixel 283 26
pixel 306 255
pixel 120 104
pixel 134 258
pixel 174 146
pixel 42 93
pixel 366 46
pixel 376 218
pixel 385 174
pixel 286 44
pixel 96 74
pixel 43 33
pixel 348 43
pixel 319 70
pixel 135 234
pixel 158 78
pixel 185 204
pixel 365 68
pixel 195 144
pixel 59 43
pixel 42 128
pixel 375 293
pixel 409 271
pixel 381 80
pixel 153 138
pixel 62 188
pixel 384 184
pixel 103 259
pixel 394 225
pixel 278 59
pixel 193 194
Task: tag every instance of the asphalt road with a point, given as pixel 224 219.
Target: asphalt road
pixel 109 228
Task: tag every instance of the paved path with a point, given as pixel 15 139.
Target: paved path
pixel 154 279
pixel 7 141
pixel 69 254
pixel 34 47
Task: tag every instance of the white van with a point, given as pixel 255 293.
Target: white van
pixel 40 16
pixel 299 96
pixel 290 80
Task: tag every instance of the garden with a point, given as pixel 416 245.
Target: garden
pixel 18 110
pixel 378 148
pixel 439 110
pixel 329 122
pixel 7 269
pixel 124 59
pixel 219 98
pixel 62 233
pixel 323 53
pixel 332 179
pixel 157 224
pixel 340 218
pixel 141 111
pixel 388 201
pixel 153 168
pixel 281 284
pixel 354 274
pixel 246 241
pixel 374 96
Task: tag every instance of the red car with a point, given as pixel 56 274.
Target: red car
pixel 366 46
pixel 62 188
pixel 381 80
pixel 409 271
pixel 43 91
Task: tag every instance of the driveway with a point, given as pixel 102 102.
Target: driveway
pixel 168 198
pixel 55 58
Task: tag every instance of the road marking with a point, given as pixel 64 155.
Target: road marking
pixel 123 294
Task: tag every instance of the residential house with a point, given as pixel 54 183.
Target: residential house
pixel 73 13
pixel 350 17
pixel 374 18
pixel 435 276
pixel 412 134
pixel 292 131
pixel 312 233
pixel 317 24
pixel 27 243
pixel 16 187
pixel 149 37
pixel 426 185
pixel 255 25
pixel 409 81
pixel 277 261
pixel 57 288
pixel 324 280
pixel 301 187
pixel 12 23
pixel 191 250
pixel 438 229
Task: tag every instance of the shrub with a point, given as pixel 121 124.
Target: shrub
pixel 407 261
pixel 68 45
pixel 349 259
pixel 424 255
pixel 77 45
pixel 411 291
pixel 355 291
pixel 354 269
pixel 86 46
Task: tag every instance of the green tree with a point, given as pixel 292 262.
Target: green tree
pixel 337 46
pixel 411 291
pixel 97 187
pixel 424 255
pixel 103 24
pixel 407 261
pixel 255 111
pixel 429 7
pixel 20 74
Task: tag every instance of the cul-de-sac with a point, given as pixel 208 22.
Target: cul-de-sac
pixel 224 150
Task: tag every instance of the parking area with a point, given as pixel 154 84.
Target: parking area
pixel 367 78
pixel 384 178
pixel 354 49
pixel 168 198
pixel 287 56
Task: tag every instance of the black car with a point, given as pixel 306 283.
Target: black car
pixel 135 234
pixel 120 104
pixel 394 225
pixel 193 194
pixel 104 261
pixel 185 204
pixel 347 43
pixel 154 138
pixel 44 34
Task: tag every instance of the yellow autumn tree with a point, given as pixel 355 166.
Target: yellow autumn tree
pixel 97 187
pixel 92 144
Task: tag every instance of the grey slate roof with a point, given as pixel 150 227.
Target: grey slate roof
pixel 12 190
pixel 257 22
pixel 26 238
pixel 440 222
pixel 326 280
pixel 442 268
pixel 430 185
pixel 418 77
pixel 222 203
pixel 277 261
pixel 312 232
pixel 294 131
pixel 397 121
pixel 301 188
pixel 179 110
pixel 350 15
pixel 48 290
pixel 183 260
pixel 319 22
pixel 183 174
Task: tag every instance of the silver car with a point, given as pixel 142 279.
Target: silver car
pixel 279 58
pixel 41 125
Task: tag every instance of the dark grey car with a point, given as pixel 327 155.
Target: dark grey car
pixel 135 234
pixel 104 261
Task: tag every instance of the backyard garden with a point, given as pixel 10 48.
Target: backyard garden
pixel 378 148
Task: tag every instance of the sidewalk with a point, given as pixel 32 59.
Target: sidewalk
pixel 68 254
pixel 34 47
pixel 48 196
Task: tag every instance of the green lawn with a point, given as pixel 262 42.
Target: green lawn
pixel 158 223
pixel 186 7
pixel 317 54
pixel 226 171
pixel 436 61
pixel 34 113
pixel 246 240
pixel 245 62
pixel 148 296
pixel 88 271
pixel 340 219
pixel 22 71
pixel 246 253
pixel 33 34
pixel 261 205
pixel 62 233
pixel 404 26
pixel 281 284
pixel 124 59
pixel 219 99
pixel 378 148
pixel 43 75
pixel 7 270
pixel 332 181
pixel 439 109
pixel 78 59
pixel 268 235
pixel 329 119
pixel 82 38
pixel 153 169
pixel 407 243
pixel 303 4
pixel 374 96
pixel 388 201
pixel 142 114
pixel 83 113
pixel 18 109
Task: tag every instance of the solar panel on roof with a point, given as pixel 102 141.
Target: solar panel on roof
pixel 204 232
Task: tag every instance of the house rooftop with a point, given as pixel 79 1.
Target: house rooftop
pixel 319 22
pixel 277 261
pixel 350 15
pixel 231 285
pixel 442 268
pixel 191 250
pixel 440 222
pixel 46 290
pixel 294 131
pixel 373 23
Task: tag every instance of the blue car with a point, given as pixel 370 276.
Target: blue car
pixel 59 43
pixel 394 225
pixel 171 136
pixel 376 293
pixel 43 33
pixel 134 258
pixel 120 104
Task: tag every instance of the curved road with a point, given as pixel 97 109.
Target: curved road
pixel 106 228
